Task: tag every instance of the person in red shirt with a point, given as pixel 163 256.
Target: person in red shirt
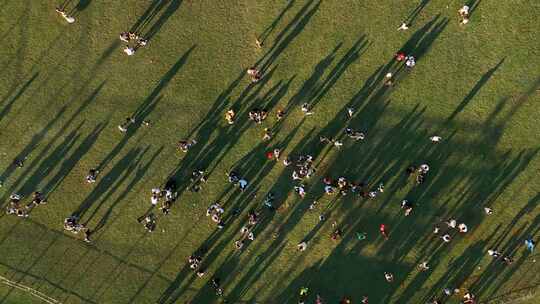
pixel 400 56
pixel 382 228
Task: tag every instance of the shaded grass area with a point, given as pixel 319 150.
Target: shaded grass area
pixel 66 88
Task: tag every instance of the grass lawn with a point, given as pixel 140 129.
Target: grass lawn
pixel 66 87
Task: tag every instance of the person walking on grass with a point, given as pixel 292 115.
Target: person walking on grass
pixel 384 233
pixel 529 243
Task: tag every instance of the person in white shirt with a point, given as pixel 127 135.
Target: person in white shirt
pixel 435 138
pixel 124 36
pixel 403 27
pixel 464 14
pixel 410 62
pixel 64 15
pixel 129 50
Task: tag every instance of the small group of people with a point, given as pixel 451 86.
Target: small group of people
pixel 418 173
pixel 410 60
pixel 15 206
pixel 254 74
pixel 304 167
pixel 258 115
pixel 195 261
pixel 134 42
pixel 197 179
pixel 246 232
pixel 215 212
pixel 167 195
pixel 343 186
pixel 496 255
pixel 185 144
pixel 72 224
pixel 235 179
pixel 451 225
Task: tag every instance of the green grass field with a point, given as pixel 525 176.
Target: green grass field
pixel 66 87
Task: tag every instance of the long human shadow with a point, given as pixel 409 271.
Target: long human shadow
pixel 9 102
pixel 108 183
pixel 288 34
pixel 69 163
pixel 417 10
pixel 315 88
pixel 473 5
pixel 270 28
pixel 38 138
pixel 145 108
pixel 246 163
pixel 149 24
pixel 477 87
pixel 286 178
pixel 496 275
pixel 208 153
pixel 77 8
pixel 48 163
pixel 506 178
pixel 255 167
pixel 137 177
pixel 33 144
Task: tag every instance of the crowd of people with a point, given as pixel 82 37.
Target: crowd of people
pixel 302 170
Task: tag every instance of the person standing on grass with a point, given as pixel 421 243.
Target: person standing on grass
pixel 303 295
pixel 389 277
pixel 529 243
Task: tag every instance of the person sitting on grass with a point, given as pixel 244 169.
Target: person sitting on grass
pixel 92 176
pixel 64 15
pixel 407 206
pixel 124 126
pixel 37 199
pixel 356 135
pixel 464 14
pixel 230 116
pixel 185 145
pixel 254 74
pixel 149 222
